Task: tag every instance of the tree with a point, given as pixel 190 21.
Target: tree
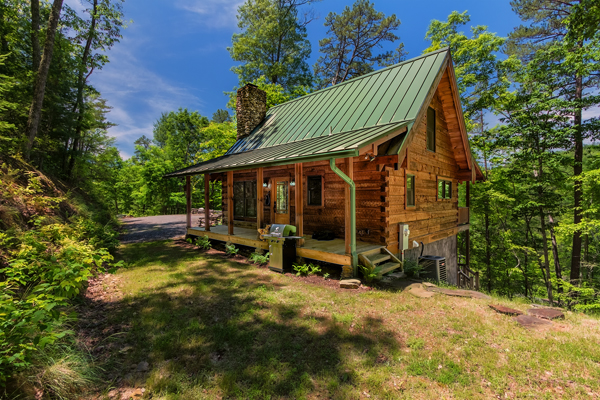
pixel 354 34
pixel 180 135
pixel 101 32
pixel 220 116
pixel 563 43
pixel 35 111
pixel 273 43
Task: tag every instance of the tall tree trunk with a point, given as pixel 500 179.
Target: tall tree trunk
pixel 546 256
pixel 557 269
pixel 35 34
pixel 80 86
pixel 35 111
pixel 578 192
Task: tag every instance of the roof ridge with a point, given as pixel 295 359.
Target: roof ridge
pixel 358 78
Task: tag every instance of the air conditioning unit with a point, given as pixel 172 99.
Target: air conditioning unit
pixel 433 267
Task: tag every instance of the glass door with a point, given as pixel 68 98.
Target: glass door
pixel 281 206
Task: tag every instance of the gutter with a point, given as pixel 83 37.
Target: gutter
pixel 350 182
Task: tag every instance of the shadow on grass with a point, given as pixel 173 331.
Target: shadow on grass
pixel 209 324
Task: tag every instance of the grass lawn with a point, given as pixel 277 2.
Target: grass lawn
pixel 211 328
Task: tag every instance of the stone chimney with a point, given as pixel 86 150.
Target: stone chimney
pixel 251 109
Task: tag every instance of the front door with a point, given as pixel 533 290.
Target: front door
pixel 281 204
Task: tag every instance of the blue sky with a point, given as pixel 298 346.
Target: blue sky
pixel 174 53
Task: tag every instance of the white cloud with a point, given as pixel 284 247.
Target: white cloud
pixel 137 95
pixel 213 13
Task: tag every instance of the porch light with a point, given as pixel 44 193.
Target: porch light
pixel 264 184
pixel 293 183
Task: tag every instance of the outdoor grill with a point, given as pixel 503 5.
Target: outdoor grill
pixel 282 246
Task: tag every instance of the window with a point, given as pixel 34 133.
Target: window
pixel 314 189
pixel 244 199
pixel 430 129
pixel 410 190
pixel 444 189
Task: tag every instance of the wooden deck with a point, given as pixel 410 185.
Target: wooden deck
pixel 331 251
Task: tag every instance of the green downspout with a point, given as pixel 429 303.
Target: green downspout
pixel 352 212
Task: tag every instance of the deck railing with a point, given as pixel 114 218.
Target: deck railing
pixel 467 278
pixel 463 215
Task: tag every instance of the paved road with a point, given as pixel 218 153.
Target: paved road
pixel 147 229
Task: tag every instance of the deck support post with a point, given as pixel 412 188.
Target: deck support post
pixel 260 201
pixel 350 202
pixel 467 233
pixel 188 201
pixel 230 202
pixel 207 202
pixel 299 203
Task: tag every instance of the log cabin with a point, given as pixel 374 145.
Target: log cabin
pixel 373 160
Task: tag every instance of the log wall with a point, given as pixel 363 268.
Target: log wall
pixel 430 214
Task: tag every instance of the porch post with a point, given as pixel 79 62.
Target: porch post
pixel 348 211
pixel 207 202
pixel 230 202
pixel 260 208
pixel 299 203
pixel 188 200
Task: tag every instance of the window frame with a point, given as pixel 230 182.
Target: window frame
pixel 446 182
pixel 434 130
pixel 307 193
pixel 407 177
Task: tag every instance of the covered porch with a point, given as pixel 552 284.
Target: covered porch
pixel 331 251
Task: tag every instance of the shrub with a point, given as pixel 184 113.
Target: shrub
pixel 44 269
pixel 259 259
pixel 306 269
pixel 231 250
pixel 369 273
pixel 412 268
pixel 203 242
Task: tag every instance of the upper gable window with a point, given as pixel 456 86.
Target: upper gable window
pixel 430 129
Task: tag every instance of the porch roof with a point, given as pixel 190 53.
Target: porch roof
pixel 338 145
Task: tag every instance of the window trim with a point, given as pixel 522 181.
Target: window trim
pixel 312 175
pixel 414 190
pixel 434 130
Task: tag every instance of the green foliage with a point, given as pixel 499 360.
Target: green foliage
pixel 369 273
pixel 45 268
pixel 306 269
pixel 231 250
pixel 348 51
pixel 260 259
pixel 276 93
pixel 273 43
pixel 326 275
pixel 412 268
pixel 203 242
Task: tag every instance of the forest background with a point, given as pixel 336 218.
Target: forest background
pixel 535 220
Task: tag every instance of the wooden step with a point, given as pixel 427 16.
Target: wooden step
pixel 387 267
pixel 379 258
pixel 372 252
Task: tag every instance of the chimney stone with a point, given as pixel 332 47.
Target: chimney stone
pixel 251 109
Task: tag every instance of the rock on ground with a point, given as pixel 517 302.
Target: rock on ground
pixel 350 283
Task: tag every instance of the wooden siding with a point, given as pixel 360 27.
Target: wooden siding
pixel 431 218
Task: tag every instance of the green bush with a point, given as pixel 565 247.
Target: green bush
pixel 44 268
pixel 306 269
pixel 369 273
pixel 203 242
pixel 231 250
pixel 259 259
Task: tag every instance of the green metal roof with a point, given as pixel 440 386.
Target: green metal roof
pixel 339 119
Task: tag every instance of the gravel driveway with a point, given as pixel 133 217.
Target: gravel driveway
pixel 148 229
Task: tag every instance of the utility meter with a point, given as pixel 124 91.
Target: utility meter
pixel 404 233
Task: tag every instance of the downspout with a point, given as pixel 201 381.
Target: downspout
pixel 350 182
